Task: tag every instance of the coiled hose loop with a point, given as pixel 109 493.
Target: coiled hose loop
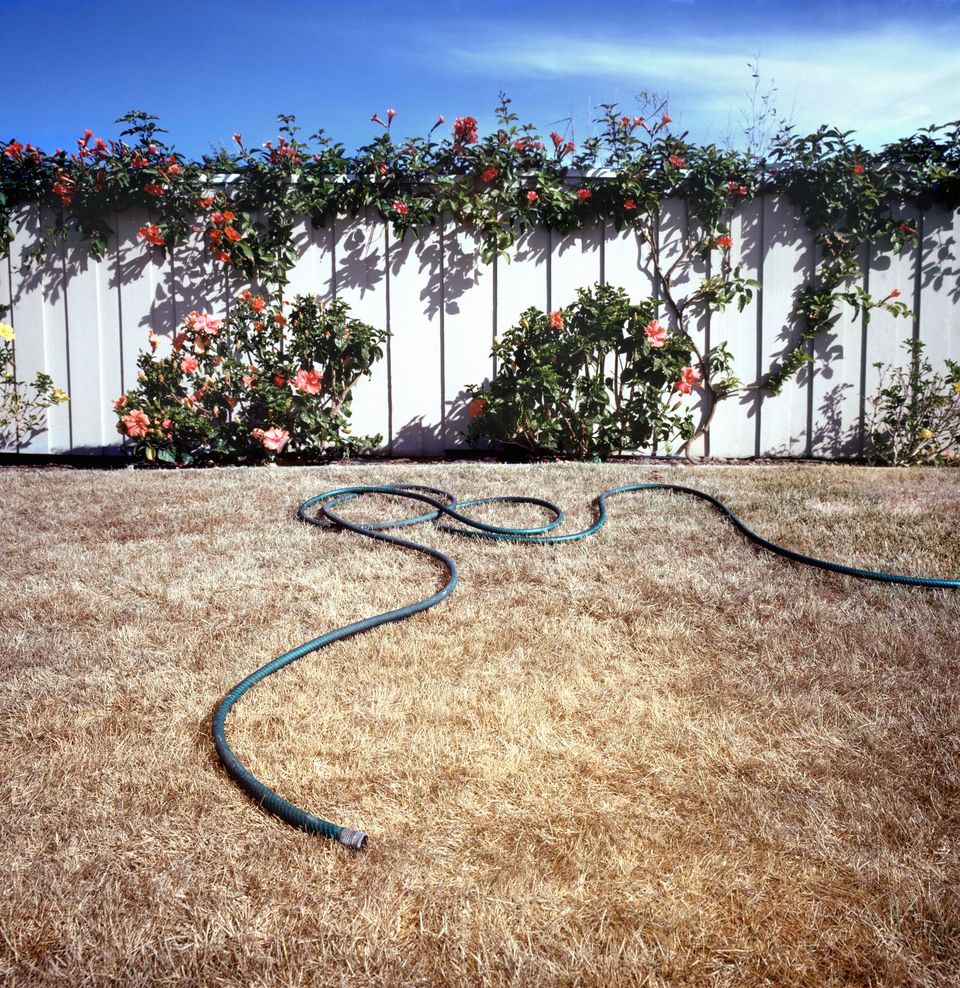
pixel 445 504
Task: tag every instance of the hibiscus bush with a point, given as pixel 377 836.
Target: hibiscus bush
pixel 598 377
pixel 23 406
pixel 914 416
pixel 261 383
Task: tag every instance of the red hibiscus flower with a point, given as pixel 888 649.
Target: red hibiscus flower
pixel 401 208
pixel 688 378
pixel 136 423
pixel 532 197
pixel 489 174
pixel 477 407
pixel 723 241
pixel 656 334
pixel 677 161
pixel 583 194
pixel 307 381
pixel 151 233
pixel 629 205
pixel 465 130
pixel 273 439
pixel 556 319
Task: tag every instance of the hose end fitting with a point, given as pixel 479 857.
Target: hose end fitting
pixel 355 839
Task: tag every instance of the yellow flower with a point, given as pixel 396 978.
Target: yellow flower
pixel 956 387
pixel 59 396
pixel 6 331
pixel 926 434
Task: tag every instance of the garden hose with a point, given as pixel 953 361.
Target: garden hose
pixel 443 504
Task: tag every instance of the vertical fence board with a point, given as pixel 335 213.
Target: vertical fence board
pixel 523 278
pixel 360 278
pixel 314 273
pixel 146 293
pixel 51 272
pixel 939 325
pixel 111 333
pixel 885 333
pixel 81 291
pixel 8 443
pixel 835 383
pixel 197 279
pixel 787 263
pixel 415 272
pixel 626 262
pixel 468 327
pixel 574 263
pixel 27 311
pixel 697 321
pixel 733 431
pixel 672 241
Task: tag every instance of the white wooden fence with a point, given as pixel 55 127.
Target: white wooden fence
pixel 84 321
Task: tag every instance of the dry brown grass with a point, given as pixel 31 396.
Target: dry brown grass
pixel 655 757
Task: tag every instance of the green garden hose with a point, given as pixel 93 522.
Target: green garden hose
pixel 442 503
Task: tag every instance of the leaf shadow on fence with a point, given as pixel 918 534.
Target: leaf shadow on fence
pixel 359 264
pixel 938 256
pixel 832 436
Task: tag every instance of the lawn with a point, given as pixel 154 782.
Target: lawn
pixel 658 756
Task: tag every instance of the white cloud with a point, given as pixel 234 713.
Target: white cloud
pixel 883 84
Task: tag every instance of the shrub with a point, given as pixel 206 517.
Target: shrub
pixel 22 414
pixel 252 386
pixel 915 414
pixel 598 377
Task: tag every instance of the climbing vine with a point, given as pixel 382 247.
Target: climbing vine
pixel 245 201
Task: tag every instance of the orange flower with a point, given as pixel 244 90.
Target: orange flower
pixel 257 303
pixel 153 340
pixel 273 439
pixel 189 364
pixel 688 378
pixel 656 334
pixel 232 233
pixel 118 403
pixel 489 174
pixel 151 233
pixel 675 159
pixel 723 241
pixel 629 205
pixel 477 407
pixel 136 423
pixel 583 194
pixel 858 169
pixel 307 381
pixel 556 319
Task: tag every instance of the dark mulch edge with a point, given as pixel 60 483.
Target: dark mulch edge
pixel 74 461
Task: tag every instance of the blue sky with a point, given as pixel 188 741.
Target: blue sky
pixel 208 69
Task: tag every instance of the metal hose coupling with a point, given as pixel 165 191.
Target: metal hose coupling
pixel 356 839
